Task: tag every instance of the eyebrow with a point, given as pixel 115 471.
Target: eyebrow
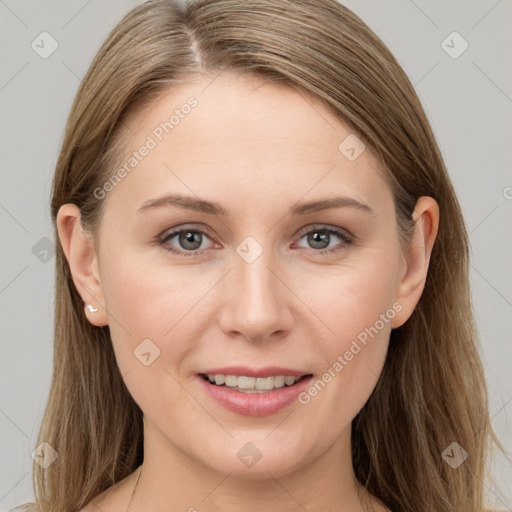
pixel 213 208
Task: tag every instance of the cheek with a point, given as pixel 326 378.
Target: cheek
pixel 357 305
pixel 151 319
pixel 148 302
pixel 352 297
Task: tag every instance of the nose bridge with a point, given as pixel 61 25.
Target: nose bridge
pixel 256 302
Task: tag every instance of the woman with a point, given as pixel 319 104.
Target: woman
pixel 262 296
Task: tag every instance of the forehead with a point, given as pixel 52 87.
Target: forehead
pixel 250 135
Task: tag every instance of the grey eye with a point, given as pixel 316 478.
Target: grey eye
pixel 319 239
pixel 190 240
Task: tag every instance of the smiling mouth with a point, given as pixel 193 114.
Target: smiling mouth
pixel 252 384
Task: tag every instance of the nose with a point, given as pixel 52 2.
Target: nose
pixel 256 302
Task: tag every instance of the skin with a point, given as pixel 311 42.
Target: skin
pixel 257 149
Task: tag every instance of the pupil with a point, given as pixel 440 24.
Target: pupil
pixel 190 237
pixel 317 238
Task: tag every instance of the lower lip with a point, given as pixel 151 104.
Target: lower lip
pixel 255 404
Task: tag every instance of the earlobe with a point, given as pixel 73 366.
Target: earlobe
pixel 83 263
pixel 417 258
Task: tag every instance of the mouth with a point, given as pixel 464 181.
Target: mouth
pixel 252 391
pixel 256 384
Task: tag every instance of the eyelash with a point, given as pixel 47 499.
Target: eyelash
pixel 344 237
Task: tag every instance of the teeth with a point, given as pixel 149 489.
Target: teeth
pixel 252 384
pixel 230 380
pixel 265 383
pixel 246 382
pixel 279 381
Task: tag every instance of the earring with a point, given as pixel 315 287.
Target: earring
pixel 91 309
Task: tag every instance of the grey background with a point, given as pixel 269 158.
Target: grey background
pixel 468 101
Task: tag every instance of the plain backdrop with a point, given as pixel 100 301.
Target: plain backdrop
pixel 468 99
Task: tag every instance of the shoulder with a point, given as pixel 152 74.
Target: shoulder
pixel 114 498
pixel 107 501
pixel 25 507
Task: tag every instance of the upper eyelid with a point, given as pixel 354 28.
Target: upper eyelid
pixel 206 230
pixel 175 231
pixel 326 227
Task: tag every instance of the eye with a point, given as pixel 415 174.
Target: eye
pixel 189 241
pixel 320 239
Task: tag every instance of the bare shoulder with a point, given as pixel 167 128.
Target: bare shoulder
pixel 378 506
pixel 114 498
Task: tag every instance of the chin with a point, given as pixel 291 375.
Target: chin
pixel 248 462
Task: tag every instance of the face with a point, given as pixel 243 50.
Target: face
pixel 238 276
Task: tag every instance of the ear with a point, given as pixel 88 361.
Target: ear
pixel 414 271
pixel 83 262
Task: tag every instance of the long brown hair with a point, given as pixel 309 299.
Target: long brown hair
pixel 431 391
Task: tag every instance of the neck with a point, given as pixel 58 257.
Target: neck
pixel 170 480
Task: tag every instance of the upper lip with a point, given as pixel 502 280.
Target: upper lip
pixel 267 371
